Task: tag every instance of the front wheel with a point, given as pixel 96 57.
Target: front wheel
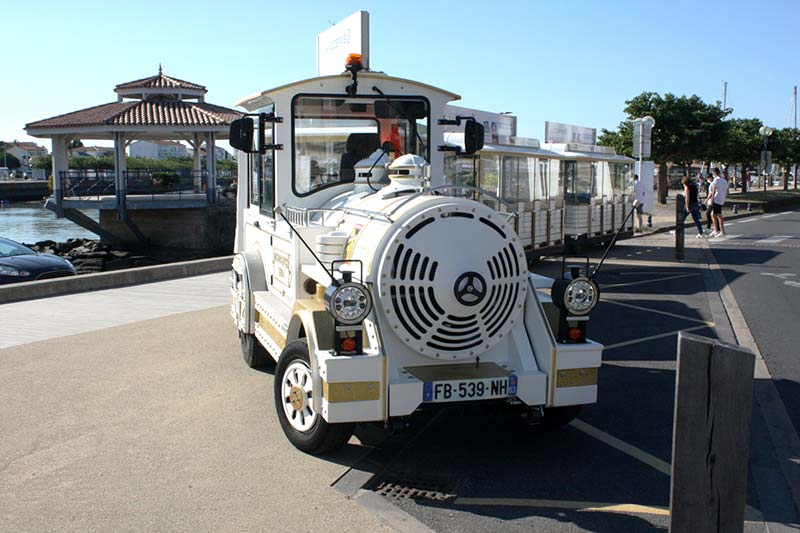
pixel 304 427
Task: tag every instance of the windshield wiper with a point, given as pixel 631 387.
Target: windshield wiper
pixel 413 123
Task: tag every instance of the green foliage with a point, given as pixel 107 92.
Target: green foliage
pixel 740 144
pixel 785 145
pixel 9 160
pixel 143 163
pixel 75 143
pixel 43 162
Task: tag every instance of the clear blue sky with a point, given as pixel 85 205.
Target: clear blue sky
pixel 574 62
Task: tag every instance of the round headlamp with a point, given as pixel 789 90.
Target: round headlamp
pixel 580 296
pixel 349 303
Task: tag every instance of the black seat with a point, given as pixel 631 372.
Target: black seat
pixel 357 147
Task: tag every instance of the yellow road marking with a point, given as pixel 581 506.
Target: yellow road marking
pixel 652 337
pixel 617 302
pixel 649 281
pixel 566 504
pixel 750 513
pixel 638 454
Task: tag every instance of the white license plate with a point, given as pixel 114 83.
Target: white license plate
pixel 469 389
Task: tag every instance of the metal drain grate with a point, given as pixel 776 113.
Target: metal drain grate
pixel 416 488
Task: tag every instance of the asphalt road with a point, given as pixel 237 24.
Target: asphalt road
pixel 761 262
pixel 473 469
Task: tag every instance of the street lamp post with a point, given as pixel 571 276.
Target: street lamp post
pixel 765 132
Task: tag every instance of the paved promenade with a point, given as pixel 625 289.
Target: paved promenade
pixel 150 421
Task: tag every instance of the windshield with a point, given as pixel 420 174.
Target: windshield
pixel 332 134
pixel 11 248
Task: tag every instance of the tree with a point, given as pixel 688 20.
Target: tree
pixel 741 144
pixel 45 163
pixel 786 151
pixel 75 143
pixel 686 129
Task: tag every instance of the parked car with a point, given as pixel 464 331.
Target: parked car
pixel 20 263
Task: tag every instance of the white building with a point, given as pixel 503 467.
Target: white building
pixel 92 151
pixel 25 151
pixel 158 149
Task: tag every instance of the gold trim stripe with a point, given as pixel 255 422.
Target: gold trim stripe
pixel 351 391
pixel 576 377
pixel 271 331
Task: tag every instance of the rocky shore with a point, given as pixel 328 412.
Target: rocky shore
pixel 90 255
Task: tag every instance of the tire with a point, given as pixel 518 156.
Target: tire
pixel 558 417
pixel 254 355
pixel 305 429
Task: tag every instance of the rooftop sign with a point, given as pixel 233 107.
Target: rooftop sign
pixel 555 132
pixel 348 36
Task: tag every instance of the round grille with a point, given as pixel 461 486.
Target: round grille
pixel 452 280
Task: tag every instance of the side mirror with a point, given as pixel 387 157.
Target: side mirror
pixel 242 134
pixel 473 136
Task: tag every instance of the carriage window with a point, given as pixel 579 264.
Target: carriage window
pixel 332 134
pixel 459 170
pixel 490 173
pixel 577 181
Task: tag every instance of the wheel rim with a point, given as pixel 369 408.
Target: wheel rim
pixel 296 394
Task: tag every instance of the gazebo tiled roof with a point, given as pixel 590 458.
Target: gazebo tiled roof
pixel 158 101
pixel 157 112
pixel 160 81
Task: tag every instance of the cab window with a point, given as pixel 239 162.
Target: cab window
pixel 332 134
pixel 261 168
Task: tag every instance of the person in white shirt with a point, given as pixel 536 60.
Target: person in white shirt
pixel 638 194
pixel 718 193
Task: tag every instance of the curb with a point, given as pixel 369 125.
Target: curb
pixel 32 290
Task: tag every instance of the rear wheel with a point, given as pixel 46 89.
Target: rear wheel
pixel 254 355
pixel 304 427
pixel 558 417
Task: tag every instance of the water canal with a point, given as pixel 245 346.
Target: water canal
pixel 30 222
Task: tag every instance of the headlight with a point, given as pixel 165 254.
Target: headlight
pixel 580 296
pixel 349 303
pixel 11 271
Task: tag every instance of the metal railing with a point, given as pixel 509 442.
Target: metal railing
pixel 165 182
pixel 95 183
pixel 86 184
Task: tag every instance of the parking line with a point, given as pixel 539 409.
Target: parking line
pixel 649 310
pixel 567 504
pixel 648 281
pixel 774 239
pixel 628 449
pixel 652 337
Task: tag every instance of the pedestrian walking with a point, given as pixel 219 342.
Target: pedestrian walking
pixel 638 194
pixel 691 196
pixel 718 193
pixel 707 201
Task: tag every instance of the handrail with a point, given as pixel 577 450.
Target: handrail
pixel 429 190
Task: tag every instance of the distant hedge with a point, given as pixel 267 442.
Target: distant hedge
pixel 133 163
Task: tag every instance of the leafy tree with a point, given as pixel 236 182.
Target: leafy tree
pixel 75 143
pixel 686 129
pixel 43 162
pixel 786 151
pixel 741 144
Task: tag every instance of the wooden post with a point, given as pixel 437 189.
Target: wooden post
pixel 711 435
pixel 680 216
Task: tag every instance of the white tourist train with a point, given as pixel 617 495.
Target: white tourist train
pixel 378 288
